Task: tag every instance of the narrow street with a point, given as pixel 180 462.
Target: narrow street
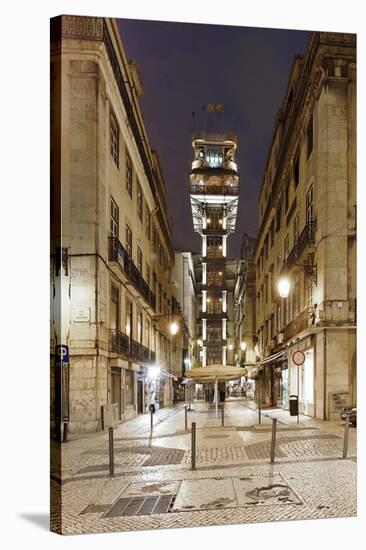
pixel 154 486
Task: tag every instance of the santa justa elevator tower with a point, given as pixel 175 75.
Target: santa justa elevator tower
pixel 214 195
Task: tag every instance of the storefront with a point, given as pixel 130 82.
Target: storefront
pixel 302 376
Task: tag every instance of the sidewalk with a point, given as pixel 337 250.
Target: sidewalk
pixel 232 462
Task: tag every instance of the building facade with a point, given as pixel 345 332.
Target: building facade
pixel 307 236
pixel 111 258
pixel 244 307
pixel 184 310
pixel 214 190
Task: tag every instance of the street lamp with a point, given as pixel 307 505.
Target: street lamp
pixel 154 372
pixel 173 327
pixel 284 287
pixel 243 346
pixel 199 342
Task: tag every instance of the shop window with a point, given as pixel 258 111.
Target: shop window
pixel 129 387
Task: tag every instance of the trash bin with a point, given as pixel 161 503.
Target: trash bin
pixel 294 405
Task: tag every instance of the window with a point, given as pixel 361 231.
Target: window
pixel 139 326
pixel 296 167
pixel 114 219
pixel 296 228
pixel 148 274
pixel 286 248
pixel 128 174
pixel 128 241
pixel 147 222
pixel 287 192
pixel 128 317
pixel 310 137
pixel 147 333
pixel 139 259
pixel 139 201
pixel 114 313
pixel 310 205
pixel 296 296
pixel 271 234
pixel 114 137
pixel 278 215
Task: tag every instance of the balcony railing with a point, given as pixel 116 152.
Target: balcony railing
pixel 199 189
pixel 297 325
pixel 306 238
pixel 125 346
pixel 118 254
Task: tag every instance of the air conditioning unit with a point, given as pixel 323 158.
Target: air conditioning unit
pixel 280 338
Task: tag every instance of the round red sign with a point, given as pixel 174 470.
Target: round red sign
pixel 298 357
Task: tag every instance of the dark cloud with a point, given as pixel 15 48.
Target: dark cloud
pixel 185 66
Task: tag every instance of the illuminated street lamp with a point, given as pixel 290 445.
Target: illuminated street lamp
pixel 199 342
pixel 284 287
pixel 154 372
pixel 243 346
pixel 173 328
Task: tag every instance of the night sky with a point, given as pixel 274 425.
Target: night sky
pixel 185 66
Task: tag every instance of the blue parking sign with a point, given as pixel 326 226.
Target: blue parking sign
pixel 62 354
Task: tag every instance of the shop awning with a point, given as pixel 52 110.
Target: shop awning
pixel 273 358
pixel 212 373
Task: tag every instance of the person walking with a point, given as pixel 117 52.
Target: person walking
pixel 152 401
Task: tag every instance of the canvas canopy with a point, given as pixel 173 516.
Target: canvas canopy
pixel 215 373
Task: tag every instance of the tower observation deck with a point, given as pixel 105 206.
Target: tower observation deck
pixel 214 195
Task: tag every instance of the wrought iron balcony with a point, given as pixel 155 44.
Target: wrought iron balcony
pixel 297 325
pixel 118 254
pixel 126 347
pixel 305 239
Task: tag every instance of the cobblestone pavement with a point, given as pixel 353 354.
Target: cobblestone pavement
pixel 154 486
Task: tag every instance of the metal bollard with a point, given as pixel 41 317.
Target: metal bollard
pixel 273 441
pixel 222 414
pixel 345 440
pixel 66 425
pixel 193 446
pixel 259 413
pixel 111 453
pixel 151 421
pixel 185 418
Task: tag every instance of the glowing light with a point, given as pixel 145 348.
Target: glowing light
pixel 243 346
pixel 154 372
pixel 284 287
pixel 231 346
pixel 174 328
pixel 199 342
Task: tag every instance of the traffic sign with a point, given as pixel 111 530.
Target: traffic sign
pixel 298 358
pixel 62 355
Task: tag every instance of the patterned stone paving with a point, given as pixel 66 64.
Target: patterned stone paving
pixel 233 483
